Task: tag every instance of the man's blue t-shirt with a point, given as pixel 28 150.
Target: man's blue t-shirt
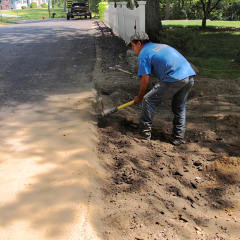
pixel 163 61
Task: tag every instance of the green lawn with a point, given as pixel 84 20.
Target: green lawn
pixel 4 20
pixel 198 23
pixel 215 51
pixel 35 14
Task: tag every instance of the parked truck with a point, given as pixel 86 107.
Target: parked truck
pixel 78 9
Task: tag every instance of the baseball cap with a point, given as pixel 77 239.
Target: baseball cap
pixel 137 36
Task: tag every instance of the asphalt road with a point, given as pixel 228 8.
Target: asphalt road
pixel 45 57
pixel 49 171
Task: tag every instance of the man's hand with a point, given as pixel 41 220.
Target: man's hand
pixel 137 100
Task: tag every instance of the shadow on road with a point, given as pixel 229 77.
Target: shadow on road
pixel 50 175
pixel 50 171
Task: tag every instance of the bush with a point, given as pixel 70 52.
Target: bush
pixel 233 11
pixel 44 5
pixel 216 15
pixel 24 7
pixel 33 5
pixel 184 40
pixel 178 13
pixel 237 58
pixel 101 9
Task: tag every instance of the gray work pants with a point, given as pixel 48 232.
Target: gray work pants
pixel 178 92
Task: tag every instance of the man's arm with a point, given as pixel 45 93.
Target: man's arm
pixel 143 88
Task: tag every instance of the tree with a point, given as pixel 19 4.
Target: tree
pixel 153 19
pixel 132 4
pixel 233 11
pixel 33 5
pixel 167 9
pixel 208 6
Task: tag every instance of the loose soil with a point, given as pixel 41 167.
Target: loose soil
pixel 157 190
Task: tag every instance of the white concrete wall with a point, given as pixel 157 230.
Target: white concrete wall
pixel 122 20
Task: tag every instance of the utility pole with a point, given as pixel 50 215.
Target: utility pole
pixel 49 1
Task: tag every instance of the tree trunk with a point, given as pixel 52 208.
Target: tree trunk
pixel 183 3
pixel 153 19
pixel 207 9
pixel 132 4
pixel 206 14
pixel 49 11
pixel 167 10
pixel 179 4
pixel 204 22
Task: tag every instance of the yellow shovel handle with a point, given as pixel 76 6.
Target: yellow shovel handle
pixel 126 105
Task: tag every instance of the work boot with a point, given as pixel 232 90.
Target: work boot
pixel 146 135
pixel 177 141
pixel 145 132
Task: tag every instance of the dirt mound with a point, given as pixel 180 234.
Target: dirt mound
pixel 227 169
pixel 156 190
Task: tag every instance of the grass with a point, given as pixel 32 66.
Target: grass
pixel 4 20
pixel 198 23
pixel 214 51
pixel 35 14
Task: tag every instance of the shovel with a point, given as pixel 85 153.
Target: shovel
pixel 115 109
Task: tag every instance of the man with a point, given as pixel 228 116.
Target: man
pixel 175 76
